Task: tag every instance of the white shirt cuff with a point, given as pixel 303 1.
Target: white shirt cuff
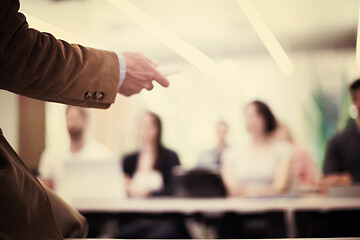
pixel 122 67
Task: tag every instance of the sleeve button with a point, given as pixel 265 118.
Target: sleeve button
pixel 100 96
pixel 87 95
pixel 94 95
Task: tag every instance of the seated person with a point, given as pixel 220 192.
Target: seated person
pixel 259 169
pixel 341 168
pixel 53 160
pixel 342 159
pixel 262 167
pixel 303 170
pixel 148 172
pixel 212 158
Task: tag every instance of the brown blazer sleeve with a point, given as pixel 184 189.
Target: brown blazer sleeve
pixel 69 221
pixel 38 65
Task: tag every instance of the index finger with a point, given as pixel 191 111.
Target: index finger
pixel 161 79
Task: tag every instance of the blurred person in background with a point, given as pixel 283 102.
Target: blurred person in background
pixel 342 158
pixel 262 167
pixel 52 161
pixel 341 169
pixel 212 158
pixel 148 171
pixel 303 169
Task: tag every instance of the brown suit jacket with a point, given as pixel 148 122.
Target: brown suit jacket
pixel 24 206
pixel 69 222
pixel 37 65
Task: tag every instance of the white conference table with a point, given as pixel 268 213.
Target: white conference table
pixel 219 205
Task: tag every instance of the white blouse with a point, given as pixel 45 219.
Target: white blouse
pixel 151 180
pixel 255 170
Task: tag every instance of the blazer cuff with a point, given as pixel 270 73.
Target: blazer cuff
pixel 122 67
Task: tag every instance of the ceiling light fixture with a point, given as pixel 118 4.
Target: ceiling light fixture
pixel 266 36
pixel 358 40
pixel 169 38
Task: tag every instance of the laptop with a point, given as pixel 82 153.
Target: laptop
pixel 198 183
pixel 88 181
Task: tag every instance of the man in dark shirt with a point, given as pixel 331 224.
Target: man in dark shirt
pixel 342 160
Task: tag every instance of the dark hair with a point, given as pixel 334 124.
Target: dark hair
pixel 269 118
pixel 355 85
pixel 159 144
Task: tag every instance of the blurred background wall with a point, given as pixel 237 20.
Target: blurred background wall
pixel 313 103
pixel 319 38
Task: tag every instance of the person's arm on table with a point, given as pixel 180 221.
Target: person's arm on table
pixel 233 187
pixel 129 164
pixel 333 169
pixel 336 179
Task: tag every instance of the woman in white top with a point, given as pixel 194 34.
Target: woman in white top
pixel 262 167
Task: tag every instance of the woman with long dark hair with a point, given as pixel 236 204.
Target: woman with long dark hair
pixel 148 173
pixel 149 170
pixel 262 167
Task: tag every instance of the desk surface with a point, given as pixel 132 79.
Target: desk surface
pixel 188 206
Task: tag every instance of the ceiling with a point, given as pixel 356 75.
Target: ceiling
pixel 217 28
